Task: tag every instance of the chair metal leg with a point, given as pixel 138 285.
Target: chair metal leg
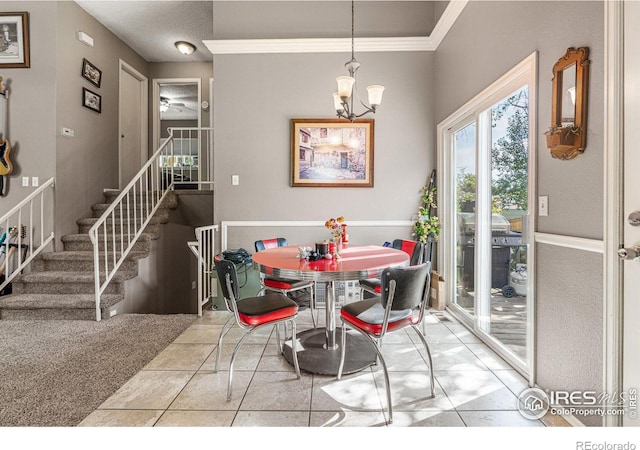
pixel 294 347
pixel 343 347
pixel 430 362
pixel 312 305
pixel 225 329
pixel 386 381
pixel 233 358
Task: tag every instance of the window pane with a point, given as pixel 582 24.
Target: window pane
pixel 465 166
pixel 509 200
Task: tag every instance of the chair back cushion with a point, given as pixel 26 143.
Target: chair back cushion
pixel 412 284
pixel 223 268
pixel 270 243
pixel 414 249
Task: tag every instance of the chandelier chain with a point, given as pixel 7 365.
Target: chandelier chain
pixel 353 29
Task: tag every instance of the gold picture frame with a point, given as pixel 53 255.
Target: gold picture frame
pixel 332 153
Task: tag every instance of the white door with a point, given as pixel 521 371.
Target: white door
pixel 631 343
pixel 133 123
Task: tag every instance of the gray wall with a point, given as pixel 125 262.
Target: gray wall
pixel 488 39
pixel 255 96
pixel 88 162
pixel 48 96
pixel 32 126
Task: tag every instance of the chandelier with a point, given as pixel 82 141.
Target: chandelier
pixel 343 99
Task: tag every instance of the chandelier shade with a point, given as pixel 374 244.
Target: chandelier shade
pixel 343 100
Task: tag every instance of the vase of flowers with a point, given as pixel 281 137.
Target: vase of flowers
pixel 335 229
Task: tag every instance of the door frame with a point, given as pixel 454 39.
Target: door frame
pixel 156 82
pixel 123 66
pixel 613 317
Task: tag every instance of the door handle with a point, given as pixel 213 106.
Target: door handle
pixel 630 253
pixel 634 219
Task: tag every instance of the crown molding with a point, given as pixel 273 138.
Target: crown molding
pixel 340 45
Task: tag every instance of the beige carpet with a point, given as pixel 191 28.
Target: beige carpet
pixel 54 373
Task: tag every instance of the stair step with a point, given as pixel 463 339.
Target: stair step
pixel 153 230
pixel 66 283
pixel 153 227
pixel 171 200
pixel 98 209
pixel 55 307
pixel 79 261
pixel 81 242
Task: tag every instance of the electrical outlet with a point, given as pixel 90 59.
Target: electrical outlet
pixel 113 312
pixel 543 205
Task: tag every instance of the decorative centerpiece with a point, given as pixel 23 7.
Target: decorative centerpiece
pixel 335 228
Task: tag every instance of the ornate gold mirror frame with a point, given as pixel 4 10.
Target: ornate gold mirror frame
pixel 567 137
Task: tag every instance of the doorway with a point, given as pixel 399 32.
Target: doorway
pixel 487 183
pixel 176 103
pixel 133 122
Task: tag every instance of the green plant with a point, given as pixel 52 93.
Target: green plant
pixel 427 225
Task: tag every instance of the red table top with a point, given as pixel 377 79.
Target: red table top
pixel 356 263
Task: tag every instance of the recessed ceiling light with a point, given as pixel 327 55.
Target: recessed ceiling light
pixel 184 47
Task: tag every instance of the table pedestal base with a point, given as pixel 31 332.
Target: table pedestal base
pixel 314 357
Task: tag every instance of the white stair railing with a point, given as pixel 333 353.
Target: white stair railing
pixel 204 250
pixel 26 231
pixel 118 229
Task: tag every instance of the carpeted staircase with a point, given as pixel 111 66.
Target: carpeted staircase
pixel 61 284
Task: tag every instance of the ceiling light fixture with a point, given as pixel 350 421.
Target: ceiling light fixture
pixel 343 99
pixel 184 47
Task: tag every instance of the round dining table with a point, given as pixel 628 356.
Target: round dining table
pixel 318 349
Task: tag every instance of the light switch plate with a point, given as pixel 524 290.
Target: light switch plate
pixel 235 180
pixel 543 205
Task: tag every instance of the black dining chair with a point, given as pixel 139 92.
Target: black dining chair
pixel 402 304
pixel 286 286
pixel 252 313
pixel 414 249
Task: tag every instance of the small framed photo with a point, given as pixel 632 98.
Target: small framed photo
pixel 91 100
pixel 91 72
pixel 14 40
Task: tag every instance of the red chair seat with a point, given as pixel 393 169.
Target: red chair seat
pixel 268 308
pixel 281 283
pixel 372 285
pixel 368 316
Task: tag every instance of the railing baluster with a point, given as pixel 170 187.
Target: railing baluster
pixel 155 177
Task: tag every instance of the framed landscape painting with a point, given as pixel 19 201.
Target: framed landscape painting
pixel 331 153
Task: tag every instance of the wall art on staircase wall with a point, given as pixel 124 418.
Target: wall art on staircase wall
pixel 14 40
pixel 91 72
pixel 91 100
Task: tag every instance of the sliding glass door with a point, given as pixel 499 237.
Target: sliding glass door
pixel 487 178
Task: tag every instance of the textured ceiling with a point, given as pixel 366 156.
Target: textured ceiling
pixel 152 27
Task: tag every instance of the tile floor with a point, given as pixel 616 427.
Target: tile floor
pixel 474 387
